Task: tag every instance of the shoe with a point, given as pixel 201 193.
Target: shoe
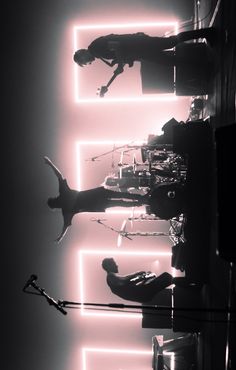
pixel 186 283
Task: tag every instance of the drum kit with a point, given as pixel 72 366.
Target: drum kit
pixel 158 170
pixel 157 164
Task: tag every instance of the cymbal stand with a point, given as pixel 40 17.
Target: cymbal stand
pixel 99 221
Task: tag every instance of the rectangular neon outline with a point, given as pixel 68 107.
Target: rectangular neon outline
pixel 151 97
pixel 79 144
pixel 82 252
pixel 86 350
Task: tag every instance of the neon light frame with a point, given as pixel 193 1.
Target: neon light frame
pixel 151 97
pixel 79 144
pixel 86 350
pixel 82 252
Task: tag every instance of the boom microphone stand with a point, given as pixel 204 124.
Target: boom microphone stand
pixel 59 305
pixel 50 300
pixel 100 221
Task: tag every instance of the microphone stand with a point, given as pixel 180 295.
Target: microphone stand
pixel 132 147
pixel 60 304
pixel 49 299
pixel 153 308
pixel 99 221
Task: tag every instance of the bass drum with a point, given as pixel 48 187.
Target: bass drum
pixel 167 200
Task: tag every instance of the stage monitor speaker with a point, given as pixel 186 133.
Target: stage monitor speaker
pixel 158 319
pixel 192 137
pixel 184 320
pixel 193 69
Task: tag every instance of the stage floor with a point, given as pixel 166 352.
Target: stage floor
pixel 209 228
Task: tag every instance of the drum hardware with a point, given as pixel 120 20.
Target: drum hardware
pixel 99 221
pixel 171 194
pixel 128 234
pixel 143 233
pixel 128 146
pixel 177 229
pixel 60 305
pixel 145 217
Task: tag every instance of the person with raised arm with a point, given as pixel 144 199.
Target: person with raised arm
pixel 72 201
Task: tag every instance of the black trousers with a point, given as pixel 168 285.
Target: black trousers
pixel 164 43
pixel 117 199
pixel 149 290
pixel 156 49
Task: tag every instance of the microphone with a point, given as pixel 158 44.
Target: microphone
pixel 30 281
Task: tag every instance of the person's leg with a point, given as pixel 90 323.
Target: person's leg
pixel 160 282
pixel 158 44
pixel 147 290
pixel 207 33
pixel 164 43
pixel 121 203
pixel 185 282
pixel 142 199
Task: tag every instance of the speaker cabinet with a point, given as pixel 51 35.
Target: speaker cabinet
pixel 187 319
pixel 193 69
pixel 158 319
pixel 157 78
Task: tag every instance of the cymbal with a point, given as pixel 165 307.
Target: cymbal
pixel 120 237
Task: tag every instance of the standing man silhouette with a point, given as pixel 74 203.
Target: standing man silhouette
pixel 72 201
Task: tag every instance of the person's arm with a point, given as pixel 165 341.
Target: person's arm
pixel 110 64
pixel 67 222
pixel 135 275
pixel 115 47
pixel 119 280
pixel 63 233
pixel 54 168
pixel 131 277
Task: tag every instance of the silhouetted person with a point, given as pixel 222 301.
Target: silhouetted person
pixel 93 200
pixel 127 48
pixel 167 136
pixel 140 286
